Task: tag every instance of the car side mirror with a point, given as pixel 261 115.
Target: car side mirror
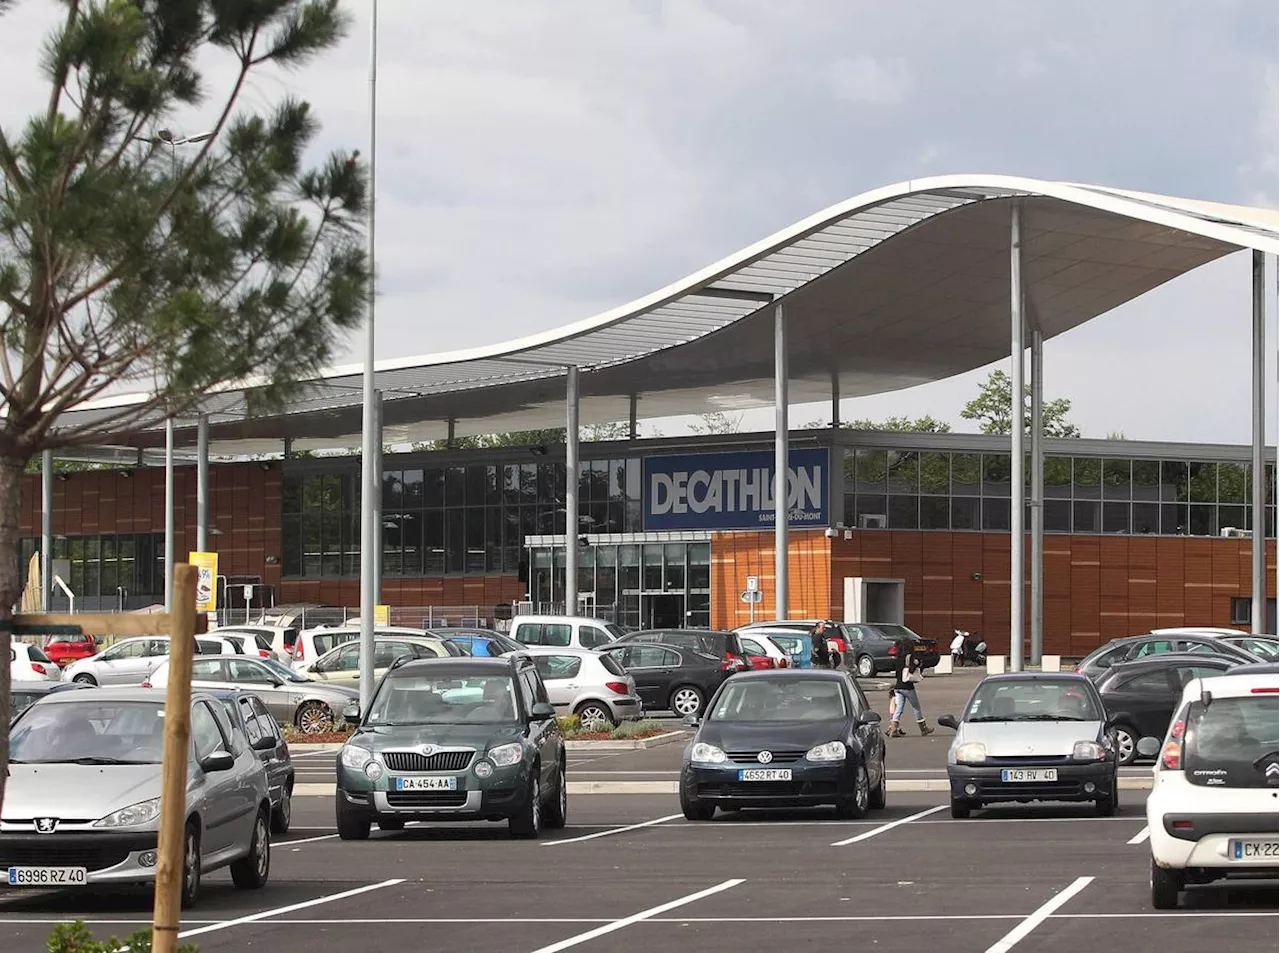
pixel 352 714
pixel 869 718
pixel 1118 718
pixel 949 721
pixel 265 743
pixel 218 761
pixel 692 721
pixel 1148 747
pixel 276 683
pixel 542 711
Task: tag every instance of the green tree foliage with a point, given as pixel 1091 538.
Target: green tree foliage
pixel 133 256
pixel 717 423
pixel 992 409
pixel 76 938
pixel 925 424
pixel 591 433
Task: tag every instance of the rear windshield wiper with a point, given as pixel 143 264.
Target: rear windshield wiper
pixel 93 759
pixel 1052 718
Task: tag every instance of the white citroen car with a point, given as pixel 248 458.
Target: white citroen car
pixel 1212 812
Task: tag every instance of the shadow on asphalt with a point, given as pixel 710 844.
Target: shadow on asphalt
pixel 1235 896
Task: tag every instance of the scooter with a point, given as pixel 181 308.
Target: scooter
pixel 975 652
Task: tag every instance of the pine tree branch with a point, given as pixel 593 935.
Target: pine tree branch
pixel 59 79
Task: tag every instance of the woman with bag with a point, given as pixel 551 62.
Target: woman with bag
pixel 910 673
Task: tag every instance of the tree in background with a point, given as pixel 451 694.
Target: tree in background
pixel 993 409
pixel 717 423
pixel 925 424
pixel 132 257
pixel 590 433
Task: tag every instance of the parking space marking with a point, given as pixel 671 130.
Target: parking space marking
pixel 611 831
pixel 279 911
pixel 866 835
pixel 1010 939
pixel 304 840
pixel 1139 837
pixel 638 917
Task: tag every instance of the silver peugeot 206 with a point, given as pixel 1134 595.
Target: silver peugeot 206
pixel 82 804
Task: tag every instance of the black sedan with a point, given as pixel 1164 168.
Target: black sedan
pixel 1142 695
pixel 263 731
pixel 679 679
pixel 1141 646
pixel 785 738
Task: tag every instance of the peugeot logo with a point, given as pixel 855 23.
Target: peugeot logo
pixel 428 750
pixel 46 825
pixel 764 757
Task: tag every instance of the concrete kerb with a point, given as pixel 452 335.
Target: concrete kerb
pixel 632 744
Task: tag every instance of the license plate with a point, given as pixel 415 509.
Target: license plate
pixel 1028 775
pixel 1257 848
pixel 426 784
pixel 764 774
pixel 47 876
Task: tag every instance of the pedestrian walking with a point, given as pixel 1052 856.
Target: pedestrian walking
pixel 910 673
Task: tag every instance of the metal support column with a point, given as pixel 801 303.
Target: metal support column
pixel 451 436
pixel 202 484
pixel 571 492
pixel 631 418
pixel 1017 453
pixel 380 548
pixel 46 530
pixel 1259 524
pixel 169 540
pixel 835 400
pixel 781 435
pixel 1037 496
pixel 370 476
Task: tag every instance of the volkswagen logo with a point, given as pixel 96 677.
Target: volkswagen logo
pixel 46 825
pixel 428 750
pixel 764 757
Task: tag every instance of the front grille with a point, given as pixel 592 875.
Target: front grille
pixel 426 798
pixel 440 761
pixel 779 757
pixel 1029 761
pixel 1050 791
pixel 87 856
pixel 778 789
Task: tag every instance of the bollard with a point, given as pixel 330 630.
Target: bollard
pixel 996 664
pixel 1051 663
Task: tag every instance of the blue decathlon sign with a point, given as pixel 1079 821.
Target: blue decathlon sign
pixel 733 490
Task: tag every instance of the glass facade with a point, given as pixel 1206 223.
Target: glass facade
pixel 101 566
pixel 944 490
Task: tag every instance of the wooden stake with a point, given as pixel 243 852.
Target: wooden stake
pixel 177 746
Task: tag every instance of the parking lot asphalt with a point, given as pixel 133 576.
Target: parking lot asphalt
pixel 629 873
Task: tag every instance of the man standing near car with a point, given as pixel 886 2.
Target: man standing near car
pixel 818 641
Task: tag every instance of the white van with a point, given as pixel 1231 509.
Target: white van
pixel 564 631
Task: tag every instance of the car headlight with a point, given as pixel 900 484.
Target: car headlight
pixel 974 752
pixel 355 757
pixel 504 756
pixel 831 751
pixel 707 754
pixel 1088 751
pixel 144 812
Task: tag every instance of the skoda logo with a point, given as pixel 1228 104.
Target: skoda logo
pixel 764 757
pixel 428 750
pixel 46 825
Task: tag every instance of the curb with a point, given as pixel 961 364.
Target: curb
pixel 637 744
pixel 316 746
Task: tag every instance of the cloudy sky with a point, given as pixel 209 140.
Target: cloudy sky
pixel 543 160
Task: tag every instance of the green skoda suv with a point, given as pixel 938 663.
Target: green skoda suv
pixel 454 739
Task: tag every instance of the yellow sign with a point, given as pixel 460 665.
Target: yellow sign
pixel 206 581
pixel 382 615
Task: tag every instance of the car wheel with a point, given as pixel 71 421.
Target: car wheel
pixel 687 700
pixel 282 815
pixel 880 794
pixel 1165 886
pixel 589 712
pixel 528 823
pixel 960 809
pixel 856 807
pixel 694 808
pixel 390 824
pixel 84 678
pixel 351 824
pixel 314 718
pixel 1126 745
pixel 251 871
pixel 557 812
pixel 866 666
pixel 191 864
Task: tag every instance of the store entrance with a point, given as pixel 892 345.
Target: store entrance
pixel 662 610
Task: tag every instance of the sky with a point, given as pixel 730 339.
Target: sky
pixel 541 161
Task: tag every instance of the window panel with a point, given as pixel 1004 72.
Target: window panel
pixel 870 511
pixel 291 494
pixel 673 554
pixel 392 489
pixel 1146 480
pixel 1204 482
pixel 1174 519
pixel 493 526
pixel 1237 517
pixel 1087 517
pixel 652 569
pixel 475 561
pixel 312 548
pixel 995 514
pixel 935 473
pixel 1204 520
pixel 1057 478
pixel 1057 516
pixel 964 512
pixel 1086 478
pixel 966 474
pixel 1233 483
pixel 511 484
pixel 699 565
pixel 1115 517
pixel 455 486
pixel 1146 518
pixel 935 512
pixel 870 468
pixel 904 512
pixel 455 542
pixel 392 547
pixel 1117 477
pixel 1174 486
pixel 412 528
pixel 996 479
pixel 411 490
pixel 331 539
pixel 633 479
pixel 617 481
pixel 433 488
pixel 477 484
pixel 903 469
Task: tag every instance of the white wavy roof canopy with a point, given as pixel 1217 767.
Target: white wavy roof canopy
pixel 892 288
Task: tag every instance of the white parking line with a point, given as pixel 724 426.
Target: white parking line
pixel 637 917
pixel 304 840
pixel 866 835
pixel 279 911
pixel 1010 939
pixel 1139 837
pixel 612 831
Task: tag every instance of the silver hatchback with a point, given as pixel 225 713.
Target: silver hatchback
pixel 82 805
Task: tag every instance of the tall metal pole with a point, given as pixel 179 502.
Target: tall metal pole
pixel 1037 496
pixel 1259 535
pixel 571 492
pixel 781 437
pixel 1017 455
pixel 631 418
pixel 46 530
pixel 202 484
pixel 835 400
pixel 370 478
pixel 379 550
pixel 169 541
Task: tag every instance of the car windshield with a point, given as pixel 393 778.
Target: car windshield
pixel 1039 699
pixel 284 671
pixel 417 699
pixel 791 644
pixel 896 632
pixel 779 700
pixel 21 701
pixel 324 641
pixel 1263 648
pixel 89 733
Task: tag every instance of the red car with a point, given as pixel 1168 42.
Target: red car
pixel 65 649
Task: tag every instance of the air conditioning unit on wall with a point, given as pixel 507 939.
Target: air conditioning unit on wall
pixel 1232 532
pixel 873 521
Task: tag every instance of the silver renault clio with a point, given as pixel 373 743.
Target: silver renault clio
pixel 82 805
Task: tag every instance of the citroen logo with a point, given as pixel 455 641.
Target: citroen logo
pixel 1273 771
pixel 46 825
pixel 764 757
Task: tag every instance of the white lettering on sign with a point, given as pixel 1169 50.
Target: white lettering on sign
pixel 731 491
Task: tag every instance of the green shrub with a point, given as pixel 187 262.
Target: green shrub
pixel 569 724
pixel 76 938
pixel 634 729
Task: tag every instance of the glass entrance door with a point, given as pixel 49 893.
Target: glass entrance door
pixel 663 610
